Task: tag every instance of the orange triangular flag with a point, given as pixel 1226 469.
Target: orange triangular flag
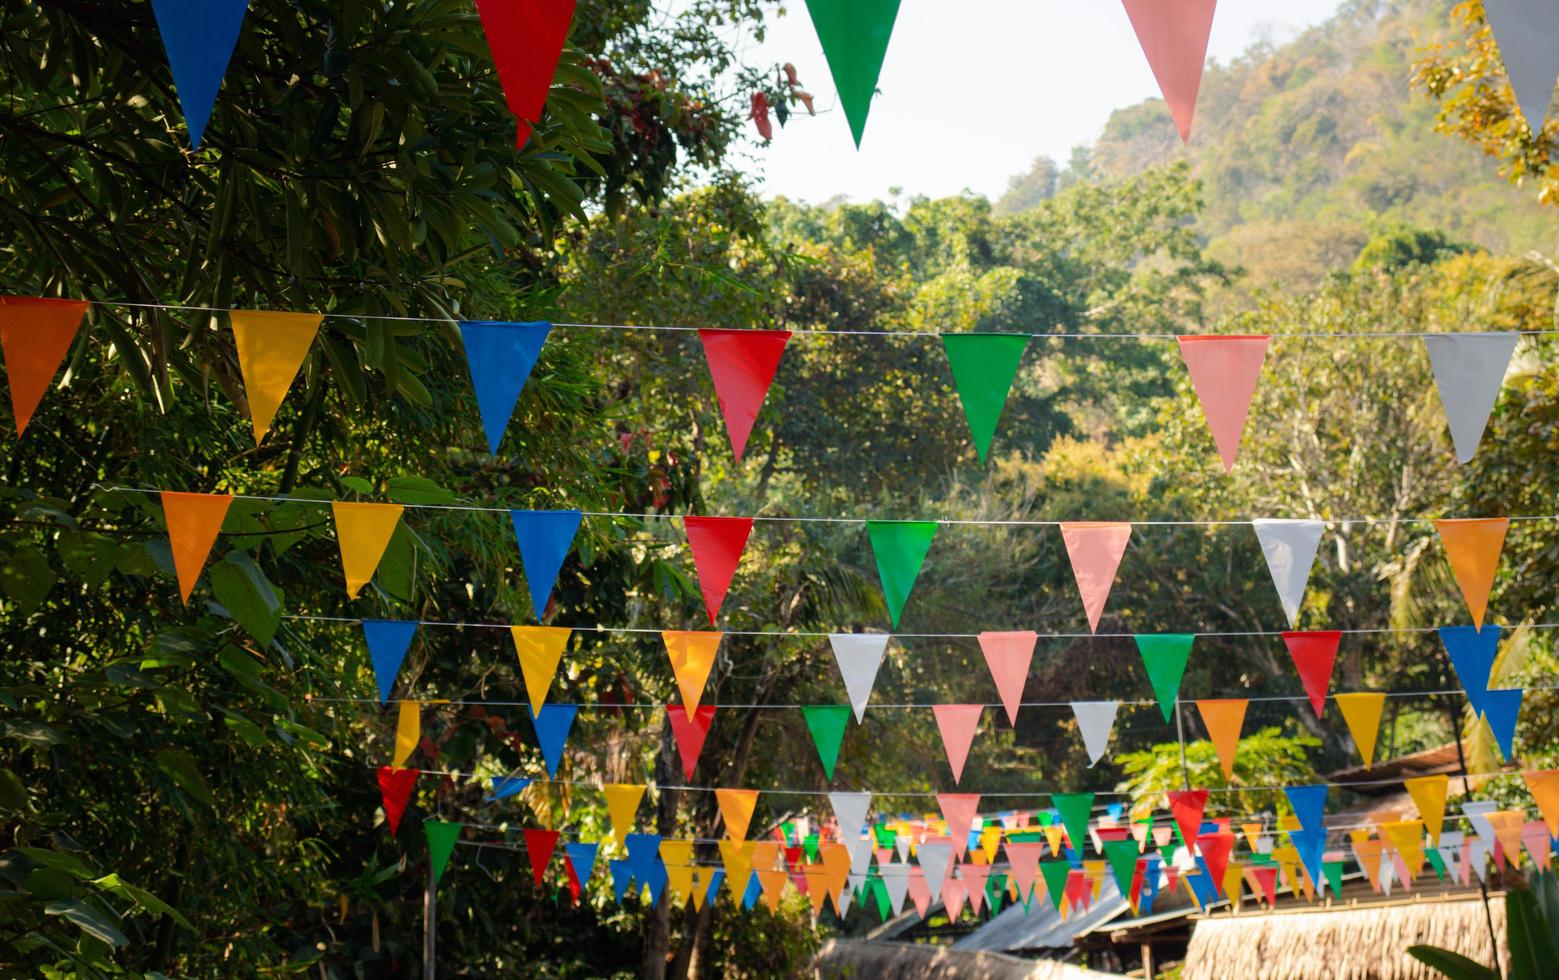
pixel 1544 787
pixel 35 335
pixel 1224 718
pixel 271 348
pixel 836 862
pixel 736 806
pixel 622 803
pixel 193 521
pixel 539 649
pixel 1362 713
pixel 692 656
pixel 1428 794
pixel 363 532
pixel 1473 546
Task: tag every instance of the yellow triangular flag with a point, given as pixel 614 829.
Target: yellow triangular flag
pixel 1233 879
pixel 1053 837
pixel 692 657
pixel 737 856
pixel 1544 787
pixel 990 840
pixel 1362 713
pixel 677 855
pixel 408 732
pixel 1224 718
pixel 1252 832
pixel 1473 546
pixel 1407 837
pixel 622 804
pixel 363 532
pixel 736 806
pixel 1428 794
pixel 271 348
pixel 539 649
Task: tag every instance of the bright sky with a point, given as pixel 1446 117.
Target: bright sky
pixel 973 90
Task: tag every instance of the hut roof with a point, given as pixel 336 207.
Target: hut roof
pixel 839 959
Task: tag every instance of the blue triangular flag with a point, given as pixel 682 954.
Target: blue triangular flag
pixel 643 851
pixel 1472 652
pixel 552 728
pixel 714 885
pixel 199 37
pixel 1311 844
pixel 1502 708
pixel 506 786
pixel 754 890
pixel 388 641
pixel 1202 884
pixel 501 356
pixel 1149 885
pixel 658 880
pixel 1309 803
pixel 622 877
pixel 544 537
pixel 581 857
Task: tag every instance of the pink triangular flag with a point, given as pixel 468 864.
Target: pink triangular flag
pixel 958 809
pixel 919 891
pixel 1096 550
pixel 1023 862
pixel 1173 34
pixel 1008 655
pixel 954 894
pixel 1224 371
pixel 958 723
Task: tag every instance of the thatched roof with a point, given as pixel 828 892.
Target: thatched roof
pixel 840 959
pixel 1367 942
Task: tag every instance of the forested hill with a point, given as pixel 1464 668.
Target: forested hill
pixel 1307 146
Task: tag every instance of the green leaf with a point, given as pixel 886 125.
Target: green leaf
pixel 58 860
pixel 247 595
pixel 88 919
pixel 1454 965
pixel 1531 945
pixel 26 579
pixel 114 884
pixel 357 484
pixel 13 793
pixel 179 766
pixel 418 490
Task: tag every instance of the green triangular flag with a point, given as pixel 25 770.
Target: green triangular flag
pixel 1055 873
pixel 810 845
pixel 984 365
pixel 827 724
pixel 884 904
pixel 441 843
pixel 900 549
pixel 1433 854
pixel 995 891
pixel 854 35
pixel 1122 855
pixel 1075 809
pixel 1332 872
pixel 1165 656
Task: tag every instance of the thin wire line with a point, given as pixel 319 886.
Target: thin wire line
pixel 789 519
pixel 804 331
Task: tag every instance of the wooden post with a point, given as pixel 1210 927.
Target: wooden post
pixel 430 927
pixel 1149 971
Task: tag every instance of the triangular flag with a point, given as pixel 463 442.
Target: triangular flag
pixel 984 366
pixel 193 520
pixel 1186 806
pixel 859 656
pixel 199 37
pixel 690 734
pixel 1362 713
pixel 958 723
pixel 1315 654
pixel 975 877
pixel 544 537
pixel 854 35
pixel 1173 34
pixel 692 657
pixel 553 723
pixel 1224 718
pixel 1009 655
pixel 408 731
pixel 1075 809
pixel 1473 545
pixel 363 532
pixel 1095 550
pixel 539 649
pixel 441 843
pixel 388 640
pixel 895 879
pixel 736 807
pixel 622 803
pixel 396 786
pixel 1095 719
pixel 1524 30
pixel 1122 855
pixel 1469 369
pixel 1472 652
pixel 1023 860
pixel 1216 849
pixel 1224 372
pixel 539 845
pixel 1544 787
pixel 526 38
pixel 581 858
pixel 934 861
pixel 1429 794
pixel 1309 803
pixel 954 895
pixel 1290 548
pixel 737 857
pixel 959 810
pixel 742 364
pixel 1164 656
pixel 1055 875
pixel 1502 709
pixel 501 356
pixel 827 723
pixel 900 548
pixel 506 786
pixel 35 335
pixel 850 813
pixel 271 348
pixel 717 544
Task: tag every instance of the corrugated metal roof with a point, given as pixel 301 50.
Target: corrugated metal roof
pixel 1040 926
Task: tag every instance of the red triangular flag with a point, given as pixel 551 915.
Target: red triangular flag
pixel 1224 371
pixel 395 785
pixel 539 845
pixel 1314 655
pixel 526 38
pixel 1174 34
pixel 958 809
pixel 717 544
pixel 690 733
pixel 742 364
pixel 35 334
pixel 1216 849
pixel 1186 807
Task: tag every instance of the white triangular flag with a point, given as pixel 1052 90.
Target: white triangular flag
pixel 843 899
pixel 1095 719
pixel 895 877
pixel 934 859
pixel 1477 857
pixel 1469 369
pixel 1451 852
pixel 860 856
pixel 859 655
pixel 850 810
pixel 1387 875
pixel 1529 45
pixel 1290 547
pixel 1477 813
pixel 901 845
